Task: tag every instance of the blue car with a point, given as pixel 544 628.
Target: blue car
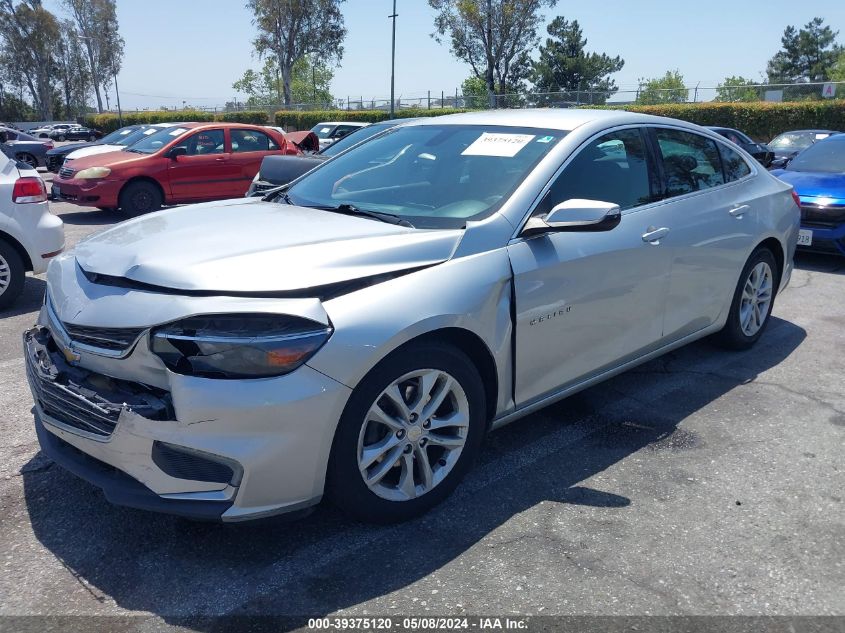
pixel 818 176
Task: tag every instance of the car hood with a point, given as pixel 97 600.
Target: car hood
pixel 67 148
pixel 251 246
pixel 810 185
pixel 96 150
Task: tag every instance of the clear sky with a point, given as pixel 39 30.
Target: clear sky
pixel 192 50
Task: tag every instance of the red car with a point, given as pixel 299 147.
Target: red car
pixel 194 162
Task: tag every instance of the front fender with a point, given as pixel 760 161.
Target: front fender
pixel 470 293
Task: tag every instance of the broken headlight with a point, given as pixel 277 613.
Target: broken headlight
pixel 238 345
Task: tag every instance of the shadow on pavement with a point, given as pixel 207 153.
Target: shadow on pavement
pixel 820 262
pixel 187 573
pixel 93 217
pixel 30 300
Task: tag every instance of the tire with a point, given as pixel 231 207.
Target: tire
pixel 61 138
pixel 449 448
pixel 29 159
pixel 140 197
pixel 746 325
pixel 92 138
pixel 12 274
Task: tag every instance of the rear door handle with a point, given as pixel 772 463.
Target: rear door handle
pixel 221 160
pixel 738 212
pixel 653 235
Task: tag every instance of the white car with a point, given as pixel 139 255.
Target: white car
pixel 132 137
pixel 330 131
pixel 29 234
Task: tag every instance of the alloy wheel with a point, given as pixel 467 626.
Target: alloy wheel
pixel 756 299
pixel 413 434
pixel 30 160
pixel 5 275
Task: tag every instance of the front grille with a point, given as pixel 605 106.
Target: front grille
pixel 112 339
pixel 822 217
pixel 82 399
pixel 66 173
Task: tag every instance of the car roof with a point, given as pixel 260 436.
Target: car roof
pixel 565 119
pixel 810 132
pixel 356 123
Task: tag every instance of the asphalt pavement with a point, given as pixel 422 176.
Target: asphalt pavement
pixel 703 483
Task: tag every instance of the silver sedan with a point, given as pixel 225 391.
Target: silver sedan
pixel 357 334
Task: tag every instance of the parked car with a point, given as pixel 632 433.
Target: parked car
pixel 30 236
pixel 26 148
pixel 331 131
pixel 78 133
pixel 818 176
pixel 187 163
pixel 787 145
pixel 45 130
pixel 56 156
pixel 357 336
pixel 117 141
pixel 280 170
pixel 763 154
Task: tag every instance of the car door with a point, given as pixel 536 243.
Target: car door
pixel 588 301
pixel 206 171
pixel 713 226
pixel 249 147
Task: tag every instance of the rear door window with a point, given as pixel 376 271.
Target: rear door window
pixel 735 166
pixel 252 141
pixel 691 162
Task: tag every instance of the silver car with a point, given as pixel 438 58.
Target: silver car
pixel 357 336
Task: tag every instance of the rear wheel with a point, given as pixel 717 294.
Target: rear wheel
pixel 140 197
pixel 752 303
pixel 92 138
pixel 11 274
pixel 61 137
pixel 408 435
pixel 28 159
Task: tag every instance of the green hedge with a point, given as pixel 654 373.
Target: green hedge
pixel 256 117
pixel 760 120
pixel 306 119
pixel 109 122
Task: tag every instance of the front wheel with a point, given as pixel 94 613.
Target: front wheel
pixel 92 138
pixel 11 274
pixel 752 303
pixel 408 435
pixel 61 138
pixel 141 197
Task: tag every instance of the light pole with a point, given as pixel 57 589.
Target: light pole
pixel 393 60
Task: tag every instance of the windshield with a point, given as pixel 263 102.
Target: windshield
pixel 152 142
pixel 115 137
pixel 795 141
pixel 434 176
pixel 826 157
pixel 353 138
pixel 323 131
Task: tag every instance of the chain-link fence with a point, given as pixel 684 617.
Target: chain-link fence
pixel 564 99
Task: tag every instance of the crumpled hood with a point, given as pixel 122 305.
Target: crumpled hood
pixel 248 245
pixel 811 185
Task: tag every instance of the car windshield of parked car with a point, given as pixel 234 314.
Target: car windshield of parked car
pixel 118 136
pixel 793 141
pixel 154 141
pixel 353 138
pixel 825 156
pixel 323 131
pixel 433 176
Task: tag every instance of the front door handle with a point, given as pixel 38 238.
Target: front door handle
pixel 653 235
pixel 738 212
pixel 222 159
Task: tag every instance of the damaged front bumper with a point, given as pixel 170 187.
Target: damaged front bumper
pixel 206 449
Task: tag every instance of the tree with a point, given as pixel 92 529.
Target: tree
pixel 310 83
pixel 493 36
pixel 564 66
pixel 28 32
pixel 837 73
pixel 72 71
pixel 806 55
pixel 474 90
pixel 666 89
pixel 290 30
pixel 737 89
pixel 96 23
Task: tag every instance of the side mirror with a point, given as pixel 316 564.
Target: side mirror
pixel 576 216
pixel 176 152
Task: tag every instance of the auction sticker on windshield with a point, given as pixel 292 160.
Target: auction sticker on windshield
pixel 178 131
pixel 497 144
